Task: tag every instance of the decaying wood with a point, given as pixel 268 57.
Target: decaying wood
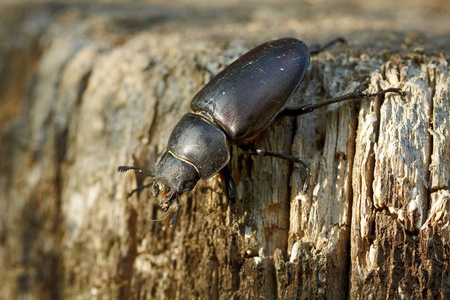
pixel 374 222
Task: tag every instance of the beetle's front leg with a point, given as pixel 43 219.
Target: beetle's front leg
pixel 138 189
pixel 230 191
pixel 264 152
pixel 174 220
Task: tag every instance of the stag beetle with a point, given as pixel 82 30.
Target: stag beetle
pixel 234 107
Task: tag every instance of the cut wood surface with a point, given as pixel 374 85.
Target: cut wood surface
pixel 85 88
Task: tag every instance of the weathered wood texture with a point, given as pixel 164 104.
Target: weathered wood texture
pixel 84 89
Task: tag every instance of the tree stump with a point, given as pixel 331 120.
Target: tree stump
pixel 88 88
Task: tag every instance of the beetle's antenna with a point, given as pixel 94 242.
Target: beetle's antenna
pixel 139 188
pixel 126 168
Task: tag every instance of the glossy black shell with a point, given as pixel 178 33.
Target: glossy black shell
pixel 197 141
pixel 247 95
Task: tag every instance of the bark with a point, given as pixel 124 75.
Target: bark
pixel 85 89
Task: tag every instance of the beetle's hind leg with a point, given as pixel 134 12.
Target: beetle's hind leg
pixel 264 152
pixel 317 48
pixel 296 111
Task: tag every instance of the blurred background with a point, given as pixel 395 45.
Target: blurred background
pixel 421 26
pixel 48 50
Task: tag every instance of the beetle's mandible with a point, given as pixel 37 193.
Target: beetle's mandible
pixel 235 106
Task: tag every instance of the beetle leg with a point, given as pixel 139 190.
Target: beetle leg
pixel 138 189
pixel 174 221
pixel 204 68
pixel 230 191
pixel 317 48
pixel 296 111
pixel 264 152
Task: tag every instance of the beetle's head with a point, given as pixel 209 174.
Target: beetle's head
pixel 173 177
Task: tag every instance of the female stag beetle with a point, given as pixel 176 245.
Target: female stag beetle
pixel 236 105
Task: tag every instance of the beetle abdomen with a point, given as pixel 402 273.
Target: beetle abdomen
pixel 198 142
pixel 245 97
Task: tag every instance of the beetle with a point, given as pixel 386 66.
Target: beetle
pixel 233 108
